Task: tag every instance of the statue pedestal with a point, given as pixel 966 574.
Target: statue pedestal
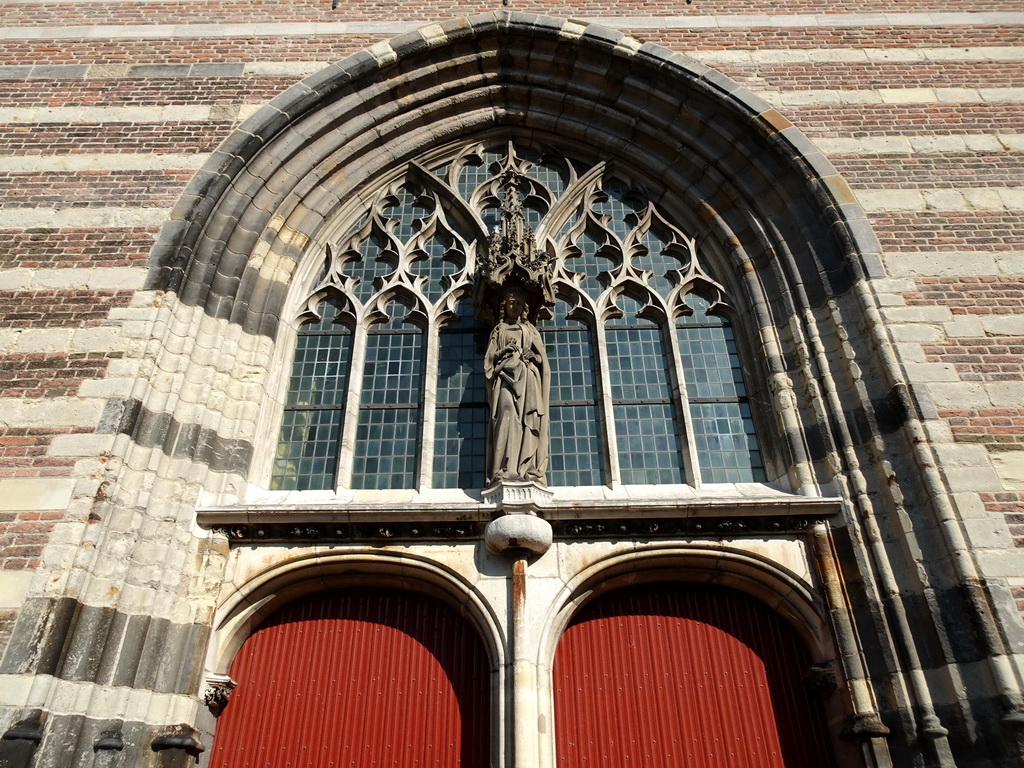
pixel 517 528
pixel 518 497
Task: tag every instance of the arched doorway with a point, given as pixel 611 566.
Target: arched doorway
pixel 358 677
pixel 684 674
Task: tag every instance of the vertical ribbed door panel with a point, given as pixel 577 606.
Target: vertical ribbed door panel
pixel 684 675
pixel 358 678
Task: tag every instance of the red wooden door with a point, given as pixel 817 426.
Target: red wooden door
pixel 364 678
pixel 684 675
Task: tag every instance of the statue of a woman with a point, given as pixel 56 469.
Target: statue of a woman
pixel 518 382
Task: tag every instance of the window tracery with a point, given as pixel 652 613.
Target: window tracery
pixel 646 386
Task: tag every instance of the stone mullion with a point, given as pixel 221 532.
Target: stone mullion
pixel 684 423
pixel 606 410
pixel 428 418
pixel 350 417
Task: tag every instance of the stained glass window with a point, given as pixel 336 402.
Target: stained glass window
pixel 307 450
pixel 640 360
pixel 388 431
pixel 460 443
pixel 575 448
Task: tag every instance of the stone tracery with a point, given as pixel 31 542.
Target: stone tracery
pixel 435 236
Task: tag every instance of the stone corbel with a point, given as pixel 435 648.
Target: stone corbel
pixel 218 691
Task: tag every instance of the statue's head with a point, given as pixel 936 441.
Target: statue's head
pixel 514 307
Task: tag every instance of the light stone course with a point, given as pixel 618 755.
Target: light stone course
pixel 31 494
pixel 1009 465
pixel 1006 394
pixel 79 445
pixel 941 264
pixel 959 395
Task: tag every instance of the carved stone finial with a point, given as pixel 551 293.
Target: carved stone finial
pixel 218 691
pixel 512 256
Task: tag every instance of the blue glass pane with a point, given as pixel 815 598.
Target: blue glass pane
pixel 320 370
pixel 592 263
pixel 648 442
pixel 575 445
pixel 460 437
pixel 388 431
pixel 660 263
pixel 575 448
pixel 433 265
pixel 460 446
pixel 307 452
pixel 387 448
pixel 638 364
pixel 477 172
pixel 409 211
pixel 369 266
pixel 727 449
pixel 621 207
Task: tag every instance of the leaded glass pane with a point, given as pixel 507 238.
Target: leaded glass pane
pixel 659 262
pixel 307 449
pixel 646 429
pixel 387 448
pixel 320 369
pixel 307 453
pixel 387 434
pixel 575 446
pixel 575 441
pixel 726 445
pixel 368 266
pixel 620 206
pixel 460 438
pixel 648 442
pixel 433 265
pixel 593 261
pixel 408 213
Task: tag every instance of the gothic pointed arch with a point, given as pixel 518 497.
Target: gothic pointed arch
pixel 720 171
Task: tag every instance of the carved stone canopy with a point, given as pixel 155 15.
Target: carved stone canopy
pixel 512 258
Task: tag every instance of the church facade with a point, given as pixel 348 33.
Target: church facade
pixel 512 386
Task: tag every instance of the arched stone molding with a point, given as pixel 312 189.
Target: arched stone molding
pixel 724 163
pixel 247 605
pixel 771 583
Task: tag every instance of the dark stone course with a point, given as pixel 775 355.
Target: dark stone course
pixel 104 646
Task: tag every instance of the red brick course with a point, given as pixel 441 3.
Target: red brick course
pixel 926 171
pixel 863 120
pixel 998 358
pixel 849 76
pixel 90 189
pixel 121 138
pixel 59 309
pixel 242 11
pixel 70 248
pixel 998 429
pixel 764 38
pixel 22 538
pixel 976 295
pixel 142 91
pixel 329 48
pixel 949 230
pixel 50 375
pixel 23 451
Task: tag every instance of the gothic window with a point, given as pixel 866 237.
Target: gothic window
pixel 387 389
